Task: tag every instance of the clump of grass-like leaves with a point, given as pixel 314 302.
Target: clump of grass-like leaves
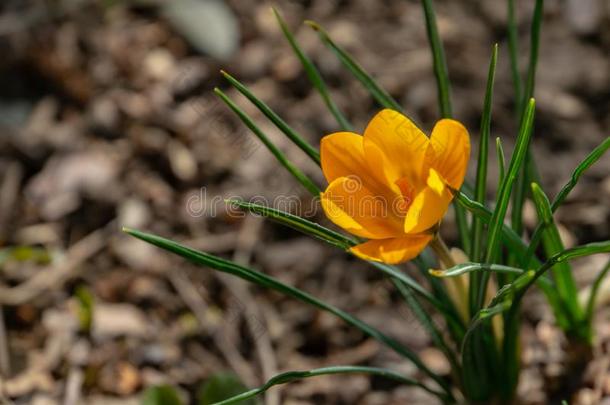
pixel 502 266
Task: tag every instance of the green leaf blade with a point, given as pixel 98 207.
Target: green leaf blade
pixel 440 64
pixel 291 376
pixel 297 223
pixel 562 272
pixel 481 178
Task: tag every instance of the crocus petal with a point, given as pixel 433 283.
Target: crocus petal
pixel 429 205
pixel 394 250
pixel 449 151
pixel 394 147
pixel 352 206
pixel 342 155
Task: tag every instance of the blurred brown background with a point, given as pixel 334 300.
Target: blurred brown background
pixel 107 119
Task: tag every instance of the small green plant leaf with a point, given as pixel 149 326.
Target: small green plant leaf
pixel 465 268
pixel 85 307
pixel 562 272
pixel 161 395
pixel 291 376
pixel 509 237
pixel 438 56
pixel 25 254
pixel 480 191
pixel 297 223
pixel 481 178
pixel 583 166
pixel 221 387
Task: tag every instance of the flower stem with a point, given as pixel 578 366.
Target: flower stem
pixel 442 252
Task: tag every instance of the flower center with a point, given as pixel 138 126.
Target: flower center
pixel 407 190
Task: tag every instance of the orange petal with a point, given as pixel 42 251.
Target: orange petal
pixel 449 151
pixel 393 250
pixel 429 205
pixel 354 207
pixel 342 155
pixel 395 147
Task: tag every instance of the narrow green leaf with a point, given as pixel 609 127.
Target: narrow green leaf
pixel 276 119
pixel 297 223
pixel 583 166
pixel 522 283
pixel 291 376
pixel 298 174
pixel 509 237
pixel 379 94
pixel 496 222
pixel 465 268
pixel 312 73
pixel 438 56
pixel 518 197
pixel 502 301
pixel 86 303
pixel 258 278
pixel 25 253
pixel 481 178
pixel 562 273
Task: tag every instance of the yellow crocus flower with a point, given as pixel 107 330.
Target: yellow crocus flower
pixel 392 185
